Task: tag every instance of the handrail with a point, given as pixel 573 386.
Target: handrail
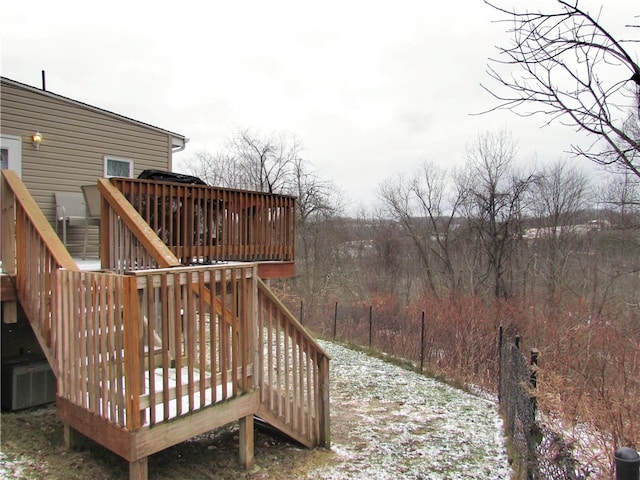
pixel 34 216
pixel 203 224
pixel 294 379
pixel 263 289
pixel 33 252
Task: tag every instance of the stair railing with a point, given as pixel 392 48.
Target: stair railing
pixel 33 252
pixel 294 373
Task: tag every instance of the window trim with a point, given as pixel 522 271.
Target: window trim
pixel 106 159
pixel 13 145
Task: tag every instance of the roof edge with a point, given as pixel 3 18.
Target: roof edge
pixel 181 139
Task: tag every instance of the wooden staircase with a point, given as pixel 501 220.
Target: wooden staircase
pixel 148 352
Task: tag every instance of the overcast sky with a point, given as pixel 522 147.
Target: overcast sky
pixel 370 88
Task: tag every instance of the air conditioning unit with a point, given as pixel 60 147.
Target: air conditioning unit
pixel 27 382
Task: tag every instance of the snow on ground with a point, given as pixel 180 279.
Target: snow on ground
pixel 386 423
pixel 390 423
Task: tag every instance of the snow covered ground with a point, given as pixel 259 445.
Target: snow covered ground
pixel 391 423
pixel 386 423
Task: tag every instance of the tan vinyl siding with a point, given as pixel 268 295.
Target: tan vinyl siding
pixel 75 139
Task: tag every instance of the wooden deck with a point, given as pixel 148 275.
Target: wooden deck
pixel 148 352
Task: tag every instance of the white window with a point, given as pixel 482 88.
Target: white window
pixel 118 167
pixel 11 153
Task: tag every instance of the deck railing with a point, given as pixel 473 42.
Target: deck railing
pixel 127 242
pixel 139 347
pixel 144 348
pixel 294 380
pixel 203 224
pixel 32 251
pixel 197 337
pixel 97 344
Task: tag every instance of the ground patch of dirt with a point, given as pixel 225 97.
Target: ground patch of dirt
pixel 32 448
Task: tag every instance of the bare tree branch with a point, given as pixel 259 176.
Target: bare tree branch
pixel 566 66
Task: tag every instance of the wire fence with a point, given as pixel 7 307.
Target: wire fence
pixel 433 345
pixel 447 348
pixel 537 452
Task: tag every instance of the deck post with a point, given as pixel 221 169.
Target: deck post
pixel 71 437
pixel 322 401
pixel 8 252
pixel 246 441
pixel 133 366
pixel 105 235
pixel 139 469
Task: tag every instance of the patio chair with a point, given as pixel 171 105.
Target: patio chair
pixel 70 210
pixel 92 203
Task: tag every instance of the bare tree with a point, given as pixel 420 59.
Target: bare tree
pixel 251 161
pixel 268 162
pixel 274 164
pixel 621 200
pixel 219 169
pixel 494 200
pixel 572 70
pixel 318 202
pixel 559 196
pixel 316 197
pixel 425 209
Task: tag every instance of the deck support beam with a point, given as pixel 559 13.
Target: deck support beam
pixel 246 441
pixel 71 437
pixel 139 469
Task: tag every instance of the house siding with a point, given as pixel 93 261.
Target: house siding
pixel 75 140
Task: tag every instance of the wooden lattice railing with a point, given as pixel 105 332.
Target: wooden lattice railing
pixel 203 224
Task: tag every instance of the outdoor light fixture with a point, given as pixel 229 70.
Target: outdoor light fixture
pixel 37 139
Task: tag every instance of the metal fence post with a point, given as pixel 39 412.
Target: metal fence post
pixel 500 335
pixel 422 345
pixel 335 320
pixel 534 365
pixel 301 311
pixel 370 324
pixel 533 378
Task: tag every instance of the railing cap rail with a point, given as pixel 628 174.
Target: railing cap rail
pixel 53 243
pixel 196 186
pixel 193 268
